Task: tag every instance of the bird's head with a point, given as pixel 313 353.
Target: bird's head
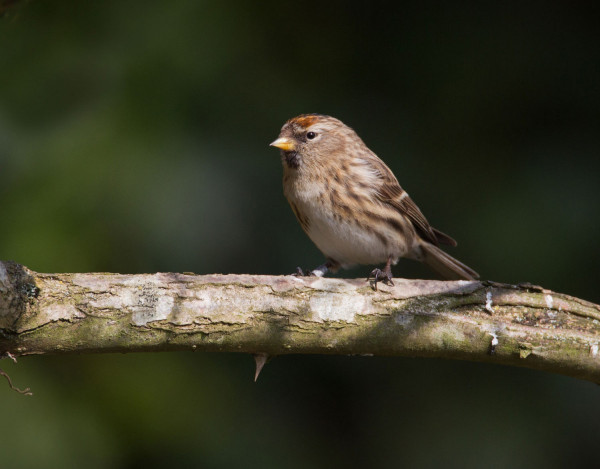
pixel 310 138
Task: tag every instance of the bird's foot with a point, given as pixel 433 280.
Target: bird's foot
pixel 301 273
pixel 316 272
pixel 378 275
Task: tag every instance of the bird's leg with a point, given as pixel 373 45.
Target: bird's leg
pixel 320 271
pixel 379 275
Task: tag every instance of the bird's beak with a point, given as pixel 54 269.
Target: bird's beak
pixel 284 143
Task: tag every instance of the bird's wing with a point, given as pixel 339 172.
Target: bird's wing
pixel 390 192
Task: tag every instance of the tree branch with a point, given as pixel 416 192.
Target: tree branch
pixel 522 325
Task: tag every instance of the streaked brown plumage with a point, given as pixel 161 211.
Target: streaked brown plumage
pixel 350 203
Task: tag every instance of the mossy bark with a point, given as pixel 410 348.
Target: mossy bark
pixel 522 325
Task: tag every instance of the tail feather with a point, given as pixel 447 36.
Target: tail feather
pixel 443 238
pixel 445 265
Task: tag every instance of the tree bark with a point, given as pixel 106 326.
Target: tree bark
pixel 521 325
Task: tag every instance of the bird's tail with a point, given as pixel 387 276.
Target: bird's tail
pixel 445 265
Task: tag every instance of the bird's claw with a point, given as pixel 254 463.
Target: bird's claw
pixel 300 273
pixel 378 275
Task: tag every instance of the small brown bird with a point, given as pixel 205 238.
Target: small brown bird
pixel 350 203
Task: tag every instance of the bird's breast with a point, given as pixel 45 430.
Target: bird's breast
pixel 342 228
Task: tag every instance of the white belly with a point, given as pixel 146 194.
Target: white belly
pixel 349 243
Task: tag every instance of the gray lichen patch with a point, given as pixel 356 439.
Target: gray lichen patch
pixel 326 306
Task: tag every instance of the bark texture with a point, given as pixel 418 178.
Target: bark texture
pixel 521 325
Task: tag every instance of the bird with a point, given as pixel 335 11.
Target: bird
pixel 351 205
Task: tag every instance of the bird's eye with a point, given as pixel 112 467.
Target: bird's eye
pixel 311 135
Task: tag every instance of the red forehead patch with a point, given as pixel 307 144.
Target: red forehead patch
pixel 305 120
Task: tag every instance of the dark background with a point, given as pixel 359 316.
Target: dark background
pixel 134 138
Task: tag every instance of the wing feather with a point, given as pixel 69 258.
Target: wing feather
pixel 390 192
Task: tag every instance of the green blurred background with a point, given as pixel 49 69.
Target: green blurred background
pixel 134 138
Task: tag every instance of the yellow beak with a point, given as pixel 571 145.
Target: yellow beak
pixel 284 143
